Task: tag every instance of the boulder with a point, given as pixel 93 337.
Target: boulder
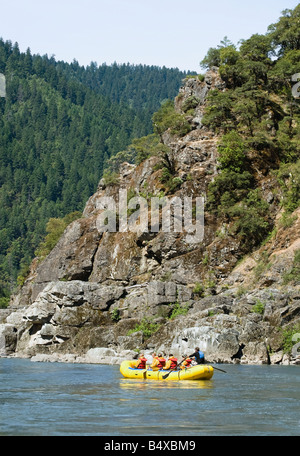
pixel 8 339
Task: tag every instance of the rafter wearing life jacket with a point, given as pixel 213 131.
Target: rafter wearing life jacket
pixel 171 363
pixel 186 363
pixel 141 362
pixel 158 362
pixel 161 362
pixel 154 364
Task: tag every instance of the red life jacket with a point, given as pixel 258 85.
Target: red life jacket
pixel 161 363
pixel 173 363
pixel 187 362
pixel 142 363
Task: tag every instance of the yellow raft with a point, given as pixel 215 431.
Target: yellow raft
pixel 199 372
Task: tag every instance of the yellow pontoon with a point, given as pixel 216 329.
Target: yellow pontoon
pixel 199 372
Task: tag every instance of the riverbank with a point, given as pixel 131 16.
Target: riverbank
pixel 107 356
pixel 65 324
pixel 104 356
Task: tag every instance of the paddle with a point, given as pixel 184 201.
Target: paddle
pixel 219 369
pixel 167 375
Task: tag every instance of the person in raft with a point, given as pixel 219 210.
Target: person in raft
pixel 198 355
pixel 141 362
pixel 186 362
pixel 171 363
pixel 158 362
pixel 150 359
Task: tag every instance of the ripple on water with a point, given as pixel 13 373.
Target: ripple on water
pixel 82 399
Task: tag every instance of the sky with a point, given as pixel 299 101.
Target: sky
pixel 171 33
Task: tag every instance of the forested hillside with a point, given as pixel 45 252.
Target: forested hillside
pixel 258 119
pixel 59 123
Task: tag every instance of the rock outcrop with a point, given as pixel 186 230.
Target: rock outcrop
pixel 102 297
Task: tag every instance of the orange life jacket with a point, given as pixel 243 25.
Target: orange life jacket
pixel 142 363
pixel 161 363
pixel 187 362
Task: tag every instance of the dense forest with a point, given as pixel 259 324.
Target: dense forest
pixel 59 124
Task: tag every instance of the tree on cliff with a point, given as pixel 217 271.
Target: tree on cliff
pixel 256 116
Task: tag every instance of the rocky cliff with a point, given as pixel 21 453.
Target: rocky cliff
pixel 102 297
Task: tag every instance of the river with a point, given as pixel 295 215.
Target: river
pixel 58 399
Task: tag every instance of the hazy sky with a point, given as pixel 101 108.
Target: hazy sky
pixel 174 33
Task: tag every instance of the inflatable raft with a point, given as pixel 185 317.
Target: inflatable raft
pixel 199 372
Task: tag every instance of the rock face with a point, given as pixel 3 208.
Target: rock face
pixel 101 297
